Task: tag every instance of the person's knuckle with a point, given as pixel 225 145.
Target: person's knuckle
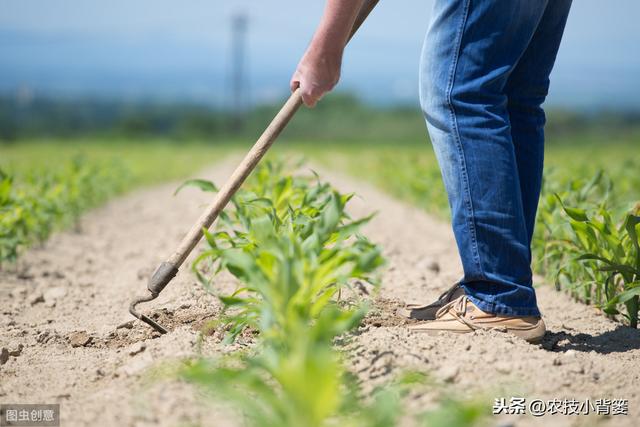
pixel 316 91
pixel 306 98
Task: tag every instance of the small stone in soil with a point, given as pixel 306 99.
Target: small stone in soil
pixel 25 275
pixel 136 348
pixel 122 333
pixel 42 337
pixel 36 298
pixel 79 339
pixel 434 266
pixel 579 369
pixel 125 325
pixel 503 368
pixel 449 373
pixel 4 356
pixel 17 351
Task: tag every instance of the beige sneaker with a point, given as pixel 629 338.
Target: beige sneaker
pixel 463 316
pixel 428 312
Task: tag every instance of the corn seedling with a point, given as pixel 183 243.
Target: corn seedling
pixel 610 254
pixel 292 248
pixel 553 237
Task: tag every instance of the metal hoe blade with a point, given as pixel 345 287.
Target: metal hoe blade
pixel 146 319
pixel 158 281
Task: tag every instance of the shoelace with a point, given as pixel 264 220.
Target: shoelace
pixel 457 308
pixel 447 294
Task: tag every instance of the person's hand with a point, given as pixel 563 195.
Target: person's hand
pixel 317 73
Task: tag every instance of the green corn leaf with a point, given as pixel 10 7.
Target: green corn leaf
pixel 202 184
pixel 585 235
pixel 239 263
pixel 631 225
pixel 576 214
pixel 231 300
pixel 353 226
pixel 262 228
pixel 632 291
pixel 611 310
pixel 321 301
pixel 370 260
pixel 584 192
pixel 261 202
pixel 610 266
pixel 626 270
pixel 209 238
pixel 594 257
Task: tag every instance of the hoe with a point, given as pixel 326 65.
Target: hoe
pixel 169 268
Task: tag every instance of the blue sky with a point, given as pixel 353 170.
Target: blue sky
pixel 170 49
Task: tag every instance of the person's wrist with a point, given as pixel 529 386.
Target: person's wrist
pixel 324 55
pixel 327 45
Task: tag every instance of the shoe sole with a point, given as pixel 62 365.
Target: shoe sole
pixel 413 314
pixel 535 339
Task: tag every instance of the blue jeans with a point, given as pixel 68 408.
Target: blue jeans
pixel 484 76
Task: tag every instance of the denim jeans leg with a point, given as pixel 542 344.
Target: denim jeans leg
pixel 526 90
pixel 470 50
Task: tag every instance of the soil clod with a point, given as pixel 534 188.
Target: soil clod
pixel 79 339
pixel 136 348
pixel 36 298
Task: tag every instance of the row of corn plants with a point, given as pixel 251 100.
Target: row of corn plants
pixel 588 242
pixel 37 202
pixel 586 247
pixel 295 253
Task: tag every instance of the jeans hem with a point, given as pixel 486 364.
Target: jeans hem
pixel 497 308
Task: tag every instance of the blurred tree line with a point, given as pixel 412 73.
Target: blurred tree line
pixel 339 117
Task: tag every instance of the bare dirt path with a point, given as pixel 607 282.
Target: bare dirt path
pixel 64 321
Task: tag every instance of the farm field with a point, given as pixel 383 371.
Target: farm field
pixel 68 297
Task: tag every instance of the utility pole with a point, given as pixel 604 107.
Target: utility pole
pixel 239 23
